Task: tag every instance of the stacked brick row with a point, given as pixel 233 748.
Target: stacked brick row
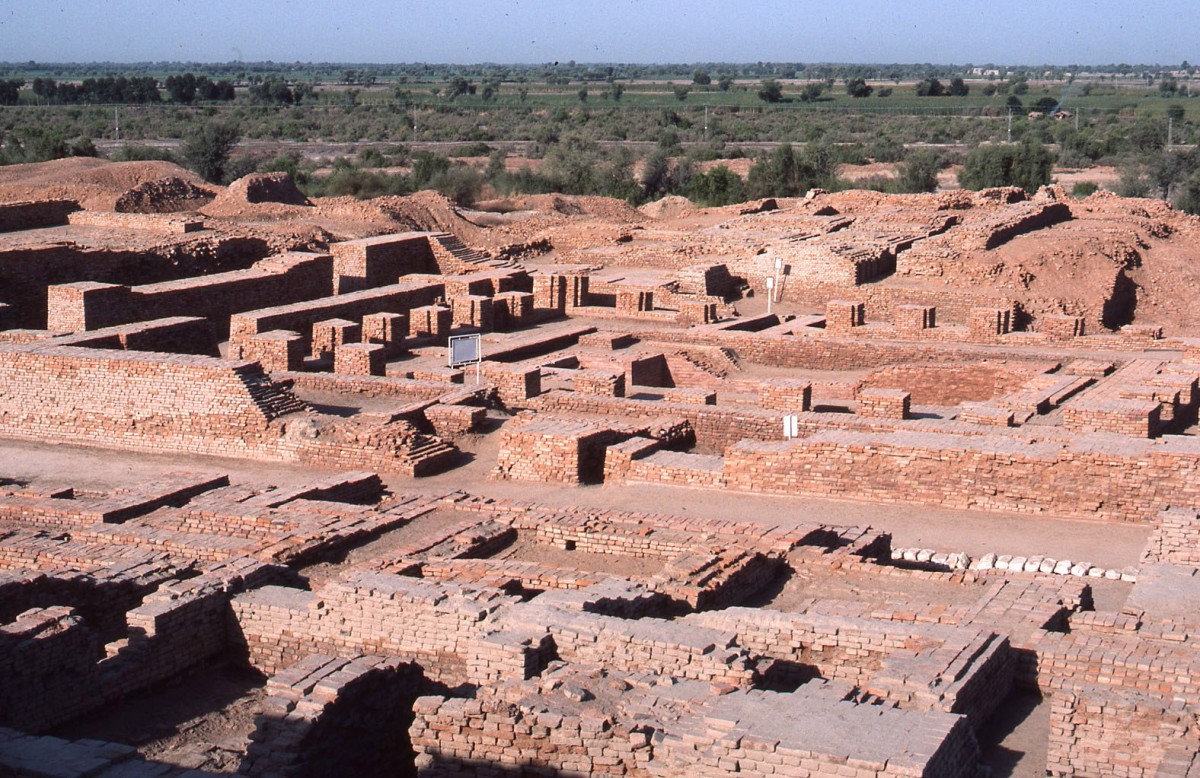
pixel 1096 731
pixel 1085 478
pixel 327 714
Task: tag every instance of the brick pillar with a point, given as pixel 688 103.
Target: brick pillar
pixel 429 320
pixel 360 359
pixel 785 394
pixel 329 334
pixel 86 305
pixel 512 308
pixel 913 319
pixel 473 311
pixel 599 382
pixel 386 329
pixel 277 350
pixel 844 315
pixel 884 404
pixel 985 324
pixel 550 292
pixel 697 311
pixel 634 301
pixel 1057 328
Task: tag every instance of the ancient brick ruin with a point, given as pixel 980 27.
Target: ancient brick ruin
pixel 253 519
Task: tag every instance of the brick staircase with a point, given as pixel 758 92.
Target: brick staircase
pixel 273 399
pixel 454 256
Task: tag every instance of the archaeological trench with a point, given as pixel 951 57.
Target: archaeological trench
pixel 253 520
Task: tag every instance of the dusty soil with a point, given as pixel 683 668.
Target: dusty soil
pixel 525 550
pixel 200 722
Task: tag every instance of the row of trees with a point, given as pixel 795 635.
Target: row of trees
pixel 139 89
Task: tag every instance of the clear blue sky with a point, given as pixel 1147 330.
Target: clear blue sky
pixel 535 31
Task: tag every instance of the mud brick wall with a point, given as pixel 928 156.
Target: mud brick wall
pixel 559 292
pixel 429 321
pixel 601 383
pixel 136 400
pixel 149 402
pixel 665 467
pixel 359 359
pixel 72 307
pixel 1097 732
pixel 34 215
pixel 453 421
pixel 169 223
pixel 473 311
pixel 299 317
pixel 331 715
pixel 831 351
pixel 785 394
pixel 459 737
pixel 512 309
pixel 25 273
pixel 284 278
pixel 279 279
pixel 1135 418
pixel 716 428
pixel 1119 480
pixel 276 351
pixel 884 403
pixel 1141 334
pixel 659 730
pixel 911 319
pixel 1062 328
pixel 881 301
pixel 177 335
pixel 954 384
pixel 690 396
pixel 706 280
pixel 443 628
pixel 329 335
pixel 843 315
pixel 515 385
pixel 554 450
pixel 379 261
pixel 681 651
pixel 47 660
pixel 375 386
pixel 54 667
pixel 1176 539
pixel 985 414
pixel 986 324
pixel 386 329
pixel 765 733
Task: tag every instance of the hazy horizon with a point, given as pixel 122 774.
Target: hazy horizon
pixel 628 31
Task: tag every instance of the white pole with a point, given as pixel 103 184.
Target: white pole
pixel 770 293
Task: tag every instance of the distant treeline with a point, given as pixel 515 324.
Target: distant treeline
pixel 367 73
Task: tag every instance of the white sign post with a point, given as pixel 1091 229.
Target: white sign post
pixel 770 293
pixel 791 427
pixel 466 350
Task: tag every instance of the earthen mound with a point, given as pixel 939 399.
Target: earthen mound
pixel 266 188
pixel 96 184
pixel 669 207
pixel 262 197
pixel 165 195
pixel 605 208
